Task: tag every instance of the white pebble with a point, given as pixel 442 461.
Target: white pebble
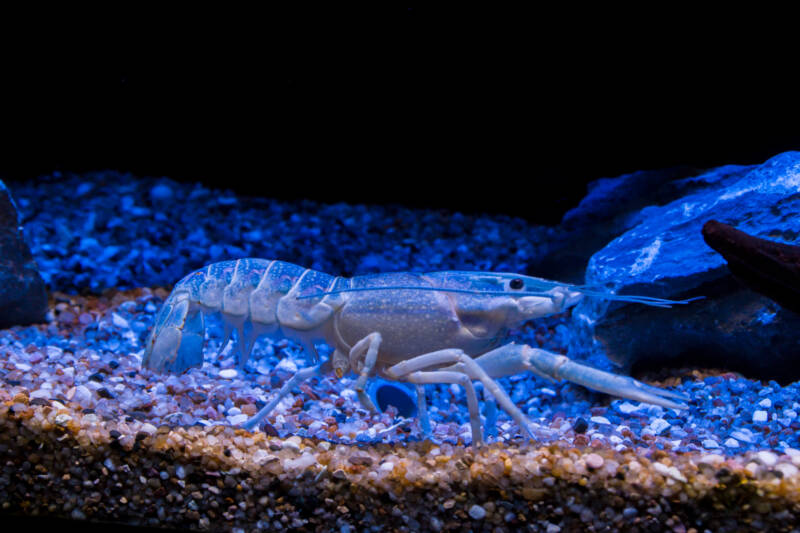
pixel 350 394
pixel 766 403
pixel 304 461
pixel 228 373
pixel 547 392
pixel 711 459
pixel 594 461
pixel 23 366
pixel 236 420
pixel 180 472
pixel 260 457
pixel 477 512
pixel 744 435
pixel 54 352
pixel 292 443
pixel 787 469
pixel 658 425
pixel 82 395
pixel 148 428
pixel 119 321
pixel 732 443
pixel 670 471
pixel 710 443
pixel 661 468
pixel 767 458
pixel 62 419
pixel 109 464
pixel 752 468
pixel 627 408
pixel 759 416
pixel 387 466
pixel 287 365
pixel 41 393
pixel 794 454
pixel 600 420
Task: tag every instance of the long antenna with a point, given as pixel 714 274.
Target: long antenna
pixel 645 300
pixel 418 288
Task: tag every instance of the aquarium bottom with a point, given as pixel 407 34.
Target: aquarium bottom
pixel 59 464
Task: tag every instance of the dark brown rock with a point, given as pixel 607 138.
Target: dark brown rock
pixel 23 298
pixel 767 267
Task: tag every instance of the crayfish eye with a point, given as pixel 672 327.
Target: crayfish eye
pixel 516 284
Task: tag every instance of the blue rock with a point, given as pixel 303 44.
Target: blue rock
pixel 664 255
pixel 610 208
pixel 667 245
pixel 23 298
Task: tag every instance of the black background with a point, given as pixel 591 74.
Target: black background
pixel 473 110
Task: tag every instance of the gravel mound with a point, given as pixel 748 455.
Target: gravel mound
pixel 107 230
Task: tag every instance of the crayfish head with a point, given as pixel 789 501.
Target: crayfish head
pixel 558 300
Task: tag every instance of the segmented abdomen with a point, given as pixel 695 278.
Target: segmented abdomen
pixel 251 288
pixel 254 296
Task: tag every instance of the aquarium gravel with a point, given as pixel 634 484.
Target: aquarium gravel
pixel 85 433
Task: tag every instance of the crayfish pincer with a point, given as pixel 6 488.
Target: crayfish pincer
pixel 420 328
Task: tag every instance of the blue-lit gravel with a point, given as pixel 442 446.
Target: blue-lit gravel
pixel 90 354
pixel 148 233
pixel 107 230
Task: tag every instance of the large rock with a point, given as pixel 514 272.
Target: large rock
pixel 23 298
pixel 664 255
pixel 609 209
